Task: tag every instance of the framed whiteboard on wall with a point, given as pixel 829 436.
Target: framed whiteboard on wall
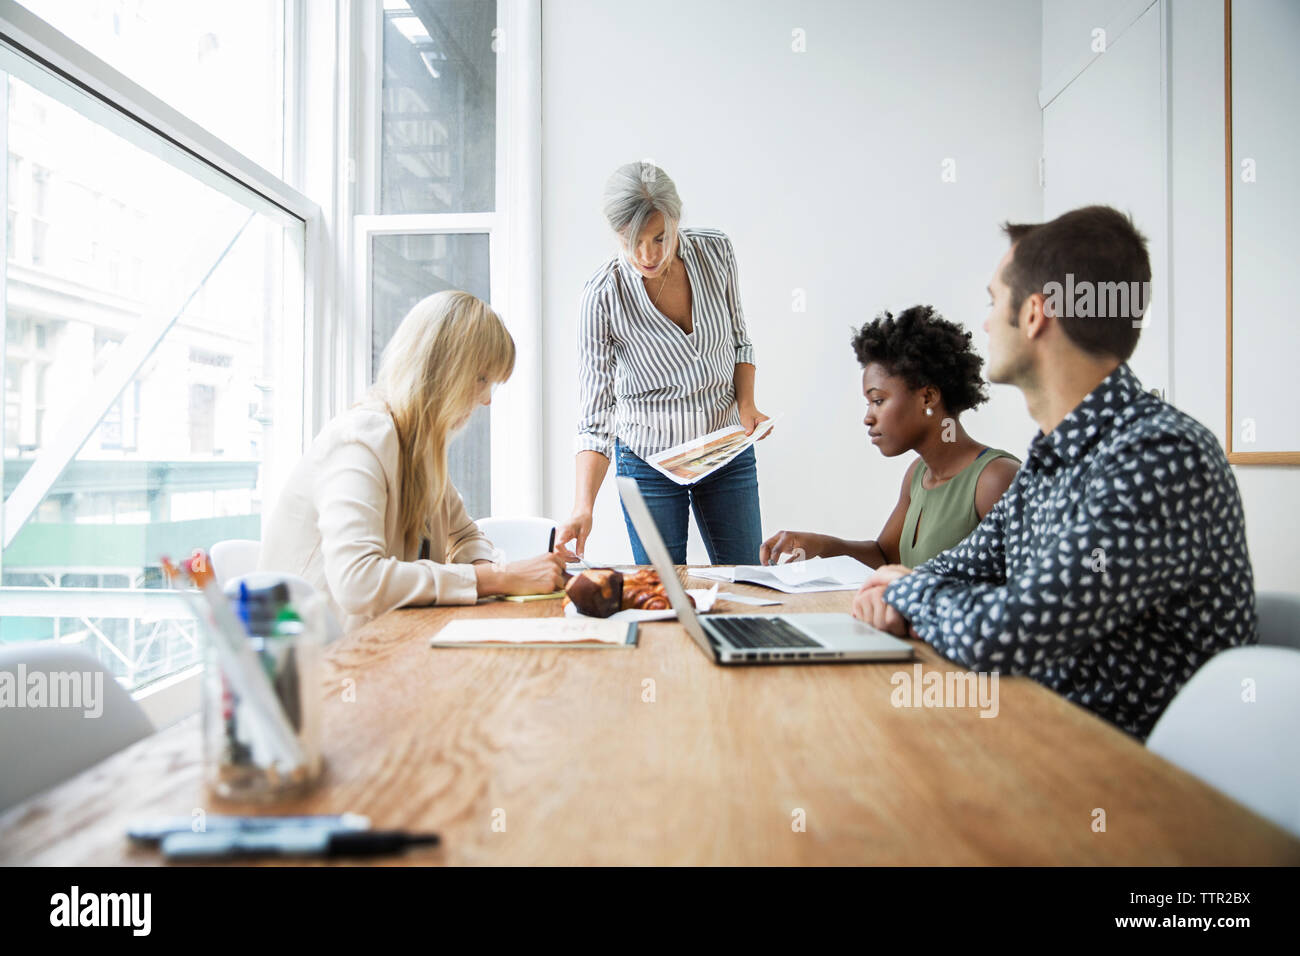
pixel 1262 146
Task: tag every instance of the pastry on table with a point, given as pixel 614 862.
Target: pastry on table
pixel 600 592
pixel 596 592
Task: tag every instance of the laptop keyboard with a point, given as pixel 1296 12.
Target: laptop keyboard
pixel 761 632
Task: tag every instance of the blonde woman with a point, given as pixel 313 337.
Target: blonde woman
pixel 373 488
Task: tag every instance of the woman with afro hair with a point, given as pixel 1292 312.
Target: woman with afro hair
pixel 919 373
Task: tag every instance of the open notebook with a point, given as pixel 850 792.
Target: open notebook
pixel 536 632
pixel 840 573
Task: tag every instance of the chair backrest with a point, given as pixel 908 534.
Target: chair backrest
pixel 234 557
pixel 1279 618
pixel 82 716
pixel 518 538
pixel 1234 725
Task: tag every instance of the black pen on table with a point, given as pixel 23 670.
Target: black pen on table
pixel 291 842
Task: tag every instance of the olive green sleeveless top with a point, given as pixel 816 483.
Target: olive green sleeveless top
pixel 946 513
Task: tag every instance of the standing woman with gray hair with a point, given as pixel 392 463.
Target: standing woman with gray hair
pixel 664 358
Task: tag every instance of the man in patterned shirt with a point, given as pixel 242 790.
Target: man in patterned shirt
pixel 1115 565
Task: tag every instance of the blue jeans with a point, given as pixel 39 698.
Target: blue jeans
pixel 725 505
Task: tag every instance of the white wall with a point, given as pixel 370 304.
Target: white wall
pixel 824 167
pixel 1197 234
pixel 1104 141
pixel 1068 27
pixel 1270 493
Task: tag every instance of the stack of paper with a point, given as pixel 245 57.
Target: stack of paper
pixel 840 573
pixel 536 632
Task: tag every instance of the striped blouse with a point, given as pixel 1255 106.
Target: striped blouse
pixel 641 378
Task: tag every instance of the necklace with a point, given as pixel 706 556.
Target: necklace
pixel 662 283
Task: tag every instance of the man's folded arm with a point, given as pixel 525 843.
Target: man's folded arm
pixel 1114 563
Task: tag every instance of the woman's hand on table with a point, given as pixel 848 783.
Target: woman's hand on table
pixel 543 574
pixel 800 545
pixel 540 575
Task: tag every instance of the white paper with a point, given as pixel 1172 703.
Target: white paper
pixel 704 600
pixel 746 599
pixel 586 564
pixel 700 457
pixel 840 573
pixel 530 630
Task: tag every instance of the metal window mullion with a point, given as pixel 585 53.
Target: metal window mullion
pixel 144 603
pixel 4 289
pixel 421 223
pixel 31 38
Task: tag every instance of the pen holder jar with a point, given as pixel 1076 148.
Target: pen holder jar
pixel 250 755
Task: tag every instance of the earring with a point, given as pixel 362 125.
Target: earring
pixel 929 411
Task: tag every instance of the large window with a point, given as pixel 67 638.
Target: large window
pixel 220 62
pixel 178 319
pixel 404 269
pixel 153 324
pixel 435 192
pixel 439 105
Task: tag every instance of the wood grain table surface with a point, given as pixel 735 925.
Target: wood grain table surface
pixel 654 755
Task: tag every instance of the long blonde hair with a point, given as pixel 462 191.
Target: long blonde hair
pixel 429 377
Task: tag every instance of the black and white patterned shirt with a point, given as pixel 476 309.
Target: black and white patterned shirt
pixel 640 377
pixel 1113 567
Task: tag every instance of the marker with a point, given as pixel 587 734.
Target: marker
pixel 152 832
pixel 240 662
pixel 291 842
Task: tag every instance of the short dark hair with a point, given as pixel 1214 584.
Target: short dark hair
pixel 1096 248
pixel 923 348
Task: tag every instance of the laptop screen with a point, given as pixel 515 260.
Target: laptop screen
pixel 658 552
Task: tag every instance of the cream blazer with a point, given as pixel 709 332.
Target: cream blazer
pixel 337 525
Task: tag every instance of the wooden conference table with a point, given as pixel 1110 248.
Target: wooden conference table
pixel 721 767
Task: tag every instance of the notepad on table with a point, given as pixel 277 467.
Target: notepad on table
pixel 536 632
pixel 839 573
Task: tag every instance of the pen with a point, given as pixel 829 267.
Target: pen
pixel 152 832
pixel 239 661
pixel 291 842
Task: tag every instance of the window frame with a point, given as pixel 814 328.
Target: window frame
pixel 330 153
pixel 53 63
pixel 514 237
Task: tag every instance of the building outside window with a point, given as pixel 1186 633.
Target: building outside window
pixel 147 304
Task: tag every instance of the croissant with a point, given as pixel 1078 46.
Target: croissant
pixel 643 591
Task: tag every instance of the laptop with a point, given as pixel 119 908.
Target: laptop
pixel 760 638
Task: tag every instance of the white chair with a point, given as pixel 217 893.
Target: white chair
pixel 1249 750
pixel 1279 618
pixel 518 538
pixel 45 745
pixel 234 557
